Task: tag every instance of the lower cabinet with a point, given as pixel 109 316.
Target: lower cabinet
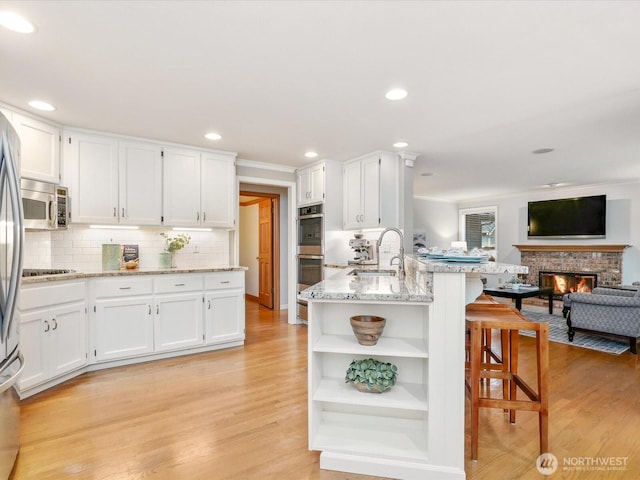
pixel 178 321
pixel 53 332
pixel 127 319
pixel 122 322
pixel 123 327
pixel 224 307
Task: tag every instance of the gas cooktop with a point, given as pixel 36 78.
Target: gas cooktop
pixel 37 272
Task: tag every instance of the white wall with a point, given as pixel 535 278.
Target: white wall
pixel 437 220
pixel 249 247
pixel 623 222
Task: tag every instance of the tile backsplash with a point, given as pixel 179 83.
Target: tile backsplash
pixel 80 247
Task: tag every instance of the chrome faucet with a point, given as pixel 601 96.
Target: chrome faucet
pixel 400 255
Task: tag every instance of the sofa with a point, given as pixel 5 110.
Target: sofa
pixel 607 311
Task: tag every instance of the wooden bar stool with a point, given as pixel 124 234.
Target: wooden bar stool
pixel 481 317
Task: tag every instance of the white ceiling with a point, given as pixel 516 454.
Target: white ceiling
pixel 488 82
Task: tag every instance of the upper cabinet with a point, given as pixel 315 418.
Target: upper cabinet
pixel 311 184
pixel 199 188
pixel 371 191
pixel 40 148
pixel 140 183
pixel 113 181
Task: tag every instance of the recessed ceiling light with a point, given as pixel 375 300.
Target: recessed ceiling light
pixel 543 150
pixel 40 105
pixel 213 136
pixel 311 154
pixel 16 23
pixel 396 94
pixel 400 144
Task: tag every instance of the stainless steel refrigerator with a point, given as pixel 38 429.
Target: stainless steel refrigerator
pixel 11 246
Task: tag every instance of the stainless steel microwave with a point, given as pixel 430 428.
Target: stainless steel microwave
pixel 45 205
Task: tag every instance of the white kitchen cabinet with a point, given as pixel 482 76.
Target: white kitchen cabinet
pixel 139 183
pixel 40 148
pixel 198 188
pixel 178 321
pixel 113 181
pixel 123 318
pixel 224 307
pixel 91 172
pixel 53 325
pixel 371 186
pixel 311 184
pixel 218 198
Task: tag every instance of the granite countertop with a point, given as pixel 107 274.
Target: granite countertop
pixel 122 273
pixel 429 265
pixel 416 286
pixel 343 286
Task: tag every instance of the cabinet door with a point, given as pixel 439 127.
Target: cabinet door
pixel 217 190
pixel 316 183
pixel 303 180
pixel 40 149
pixel 181 187
pixel 93 164
pixel 352 196
pixel 178 321
pixel 34 332
pixel 68 335
pixel 124 327
pixel 224 316
pixel 370 171
pixel 140 183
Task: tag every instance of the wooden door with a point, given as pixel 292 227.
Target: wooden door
pixel 265 253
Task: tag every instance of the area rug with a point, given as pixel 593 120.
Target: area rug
pixel 558 333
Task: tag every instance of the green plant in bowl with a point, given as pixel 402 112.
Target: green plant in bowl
pixel 370 375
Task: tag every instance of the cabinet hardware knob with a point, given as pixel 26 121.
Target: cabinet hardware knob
pixel 55 324
pixel 208 304
pixel 224 281
pixel 178 284
pixel 204 216
pixel 198 216
pixel 125 288
pixel 123 212
pixel 157 309
pixel 46 322
pixel 149 309
pixel 115 212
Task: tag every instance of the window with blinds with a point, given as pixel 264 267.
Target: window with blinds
pixel 478 229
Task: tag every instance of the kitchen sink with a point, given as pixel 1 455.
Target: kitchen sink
pixel 373 273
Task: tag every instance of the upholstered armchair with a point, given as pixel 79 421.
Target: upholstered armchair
pixel 606 311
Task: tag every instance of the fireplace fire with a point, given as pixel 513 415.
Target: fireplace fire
pixel 568 282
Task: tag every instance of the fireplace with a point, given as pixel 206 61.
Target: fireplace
pixel 568 282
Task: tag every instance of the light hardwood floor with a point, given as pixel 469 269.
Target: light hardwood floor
pixel 242 414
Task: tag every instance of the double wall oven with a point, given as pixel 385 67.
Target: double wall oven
pixel 310 253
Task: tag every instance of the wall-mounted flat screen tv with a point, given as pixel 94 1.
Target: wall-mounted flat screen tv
pixel 580 217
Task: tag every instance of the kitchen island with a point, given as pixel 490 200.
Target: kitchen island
pixel 415 430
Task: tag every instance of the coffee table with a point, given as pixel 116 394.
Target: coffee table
pixel 522 292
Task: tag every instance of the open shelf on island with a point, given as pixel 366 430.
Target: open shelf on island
pixel 394 438
pixel 406 396
pixel 389 346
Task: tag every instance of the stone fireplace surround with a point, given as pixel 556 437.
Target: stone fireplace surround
pixel 603 260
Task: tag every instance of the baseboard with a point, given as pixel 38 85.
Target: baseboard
pixel 251 298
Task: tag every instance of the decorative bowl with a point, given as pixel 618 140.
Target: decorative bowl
pixel 367 328
pixel 362 387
